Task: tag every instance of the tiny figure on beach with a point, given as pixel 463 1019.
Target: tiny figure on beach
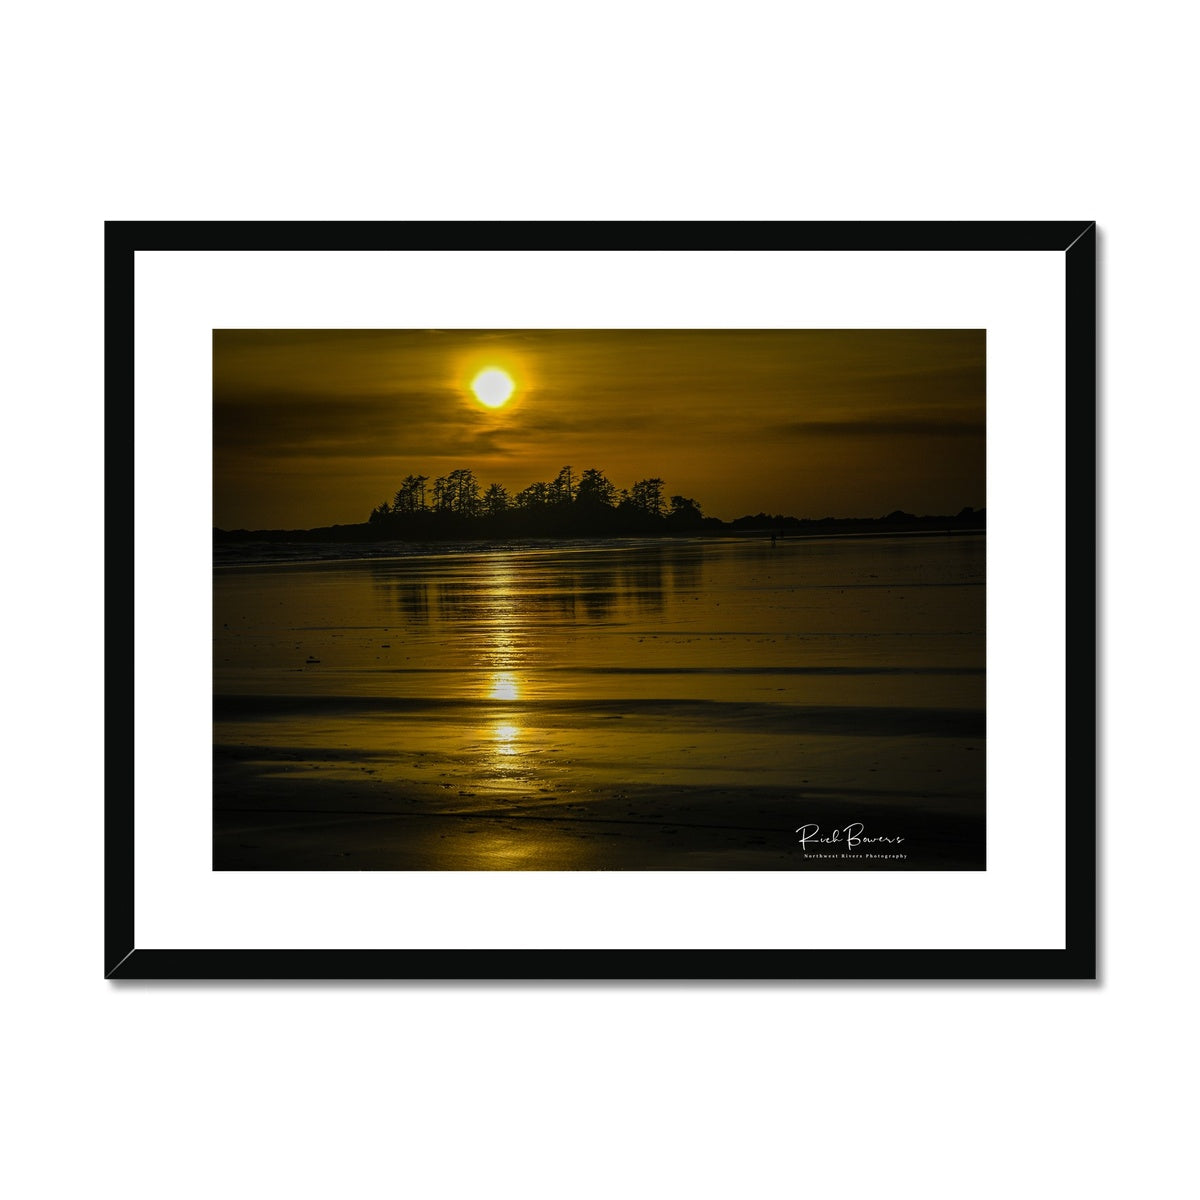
pixel 772 539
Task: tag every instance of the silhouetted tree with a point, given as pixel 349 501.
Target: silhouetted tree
pixel 464 492
pixel 495 500
pixel 411 496
pixel 443 496
pixel 647 496
pixel 594 490
pixel 685 513
pixel 562 490
pixel 536 495
pixel 587 505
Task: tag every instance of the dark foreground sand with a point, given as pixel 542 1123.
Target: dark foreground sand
pixel 353 810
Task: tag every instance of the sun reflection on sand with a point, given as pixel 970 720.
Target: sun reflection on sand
pixel 506 736
pixel 504 686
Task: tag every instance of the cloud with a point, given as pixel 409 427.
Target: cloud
pixel 886 427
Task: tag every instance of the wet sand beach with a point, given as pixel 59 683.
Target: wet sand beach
pixel 673 704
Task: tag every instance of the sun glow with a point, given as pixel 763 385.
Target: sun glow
pixel 492 387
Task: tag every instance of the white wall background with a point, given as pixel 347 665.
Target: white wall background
pixel 527 110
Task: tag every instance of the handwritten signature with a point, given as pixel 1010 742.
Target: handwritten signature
pixel 850 836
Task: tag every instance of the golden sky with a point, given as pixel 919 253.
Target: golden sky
pixel 316 427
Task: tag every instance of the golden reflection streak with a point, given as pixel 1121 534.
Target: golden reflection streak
pixel 505 686
pixel 506 738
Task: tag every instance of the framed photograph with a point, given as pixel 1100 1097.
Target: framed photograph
pixel 601 600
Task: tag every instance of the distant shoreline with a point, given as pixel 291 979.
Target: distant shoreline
pixel 760 526
pixel 242 555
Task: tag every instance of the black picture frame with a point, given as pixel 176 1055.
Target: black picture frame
pixel 1076 960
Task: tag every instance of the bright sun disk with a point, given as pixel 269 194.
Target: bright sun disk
pixel 493 387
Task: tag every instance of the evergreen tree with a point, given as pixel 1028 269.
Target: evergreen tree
pixel 495 500
pixel 647 496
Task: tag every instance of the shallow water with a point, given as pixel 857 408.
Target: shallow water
pixel 577 702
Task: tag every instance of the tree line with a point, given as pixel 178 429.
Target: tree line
pixel 585 503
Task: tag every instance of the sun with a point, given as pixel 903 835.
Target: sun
pixel 493 387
